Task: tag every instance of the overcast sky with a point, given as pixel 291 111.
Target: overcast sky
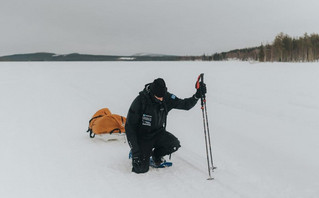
pixel 126 27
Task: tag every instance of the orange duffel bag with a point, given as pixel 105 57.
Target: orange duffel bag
pixel 103 121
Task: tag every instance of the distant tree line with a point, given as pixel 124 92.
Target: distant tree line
pixel 283 49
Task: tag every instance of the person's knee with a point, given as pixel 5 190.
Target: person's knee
pixel 174 147
pixel 167 145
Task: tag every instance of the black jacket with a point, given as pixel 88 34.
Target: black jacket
pixel 147 116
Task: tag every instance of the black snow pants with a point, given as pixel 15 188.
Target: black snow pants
pixel 164 143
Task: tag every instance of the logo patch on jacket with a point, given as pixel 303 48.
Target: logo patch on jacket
pixel 173 96
pixel 146 120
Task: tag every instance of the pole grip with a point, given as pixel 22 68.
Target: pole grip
pixel 202 77
pixel 200 80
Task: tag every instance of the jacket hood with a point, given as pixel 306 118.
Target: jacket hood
pixel 146 90
pixel 146 94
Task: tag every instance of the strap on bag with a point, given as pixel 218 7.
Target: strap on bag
pixel 92 135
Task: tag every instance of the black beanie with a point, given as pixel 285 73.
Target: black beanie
pixel 158 87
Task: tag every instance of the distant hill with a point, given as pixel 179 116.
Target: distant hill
pixel 43 56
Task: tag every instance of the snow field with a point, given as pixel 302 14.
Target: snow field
pixel 263 121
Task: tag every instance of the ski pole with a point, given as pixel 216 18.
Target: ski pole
pixel 209 156
pixel 208 133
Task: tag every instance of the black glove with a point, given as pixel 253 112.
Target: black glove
pixel 201 90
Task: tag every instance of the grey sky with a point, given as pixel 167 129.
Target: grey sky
pixel 126 27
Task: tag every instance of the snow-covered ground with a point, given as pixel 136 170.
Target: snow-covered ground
pixel 263 117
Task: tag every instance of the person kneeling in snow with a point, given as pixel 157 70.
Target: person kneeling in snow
pixel 146 124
